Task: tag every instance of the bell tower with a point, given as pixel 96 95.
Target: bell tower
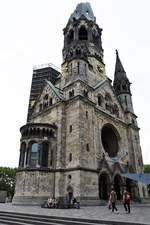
pixel 82 52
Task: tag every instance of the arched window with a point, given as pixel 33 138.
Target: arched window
pixel 45 101
pixel 85 93
pixel 78 51
pixel 45 148
pixel 107 97
pixel 83 35
pixel 34 154
pixel 70 36
pixel 50 101
pixel 71 94
pixel 99 98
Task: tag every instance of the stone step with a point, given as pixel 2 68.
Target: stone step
pixel 13 218
pixel 10 222
pixel 32 219
pixel 23 221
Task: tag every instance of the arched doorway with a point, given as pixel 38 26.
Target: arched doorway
pixel 110 140
pixel 70 193
pixel 118 186
pixel 104 186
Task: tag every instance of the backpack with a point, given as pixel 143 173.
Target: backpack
pixel 127 197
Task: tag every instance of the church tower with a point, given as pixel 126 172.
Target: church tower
pixel 82 134
pixel 82 52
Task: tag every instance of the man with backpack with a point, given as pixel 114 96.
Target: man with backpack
pixel 126 201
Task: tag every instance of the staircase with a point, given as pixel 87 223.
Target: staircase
pixel 11 218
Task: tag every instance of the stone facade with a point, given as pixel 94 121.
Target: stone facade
pixel 83 132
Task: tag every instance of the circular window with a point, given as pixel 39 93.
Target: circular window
pixel 109 140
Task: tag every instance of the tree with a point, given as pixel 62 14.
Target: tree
pixel 7 180
pixel 147 170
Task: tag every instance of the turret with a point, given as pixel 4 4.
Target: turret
pixel 122 86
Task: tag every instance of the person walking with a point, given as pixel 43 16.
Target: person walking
pixel 113 199
pixel 126 201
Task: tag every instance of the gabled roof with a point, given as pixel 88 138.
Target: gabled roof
pixel 56 90
pixel 100 83
pixel 108 81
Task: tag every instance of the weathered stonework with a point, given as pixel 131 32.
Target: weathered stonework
pixel 83 132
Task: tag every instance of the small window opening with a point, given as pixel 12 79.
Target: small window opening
pixel 99 100
pixel 87 114
pixel 85 93
pixel 50 101
pixel 69 177
pixel 71 68
pixel 78 67
pixel 46 97
pixel 70 157
pixel 85 67
pixel 107 97
pixel 45 104
pixel 126 100
pixel 70 128
pixel 124 87
pixel 71 94
pixel 90 67
pixel 78 51
pixel 87 147
pixel 40 107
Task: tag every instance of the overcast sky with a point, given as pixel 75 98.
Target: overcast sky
pixel 31 34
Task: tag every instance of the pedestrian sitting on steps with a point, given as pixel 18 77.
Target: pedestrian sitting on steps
pixel 76 203
pixel 50 202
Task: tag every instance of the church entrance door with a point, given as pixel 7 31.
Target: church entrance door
pixel 104 186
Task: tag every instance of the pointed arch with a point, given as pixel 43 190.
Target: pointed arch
pixel 83 34
pixel 70 36
pixel 104 185
pixel 34 147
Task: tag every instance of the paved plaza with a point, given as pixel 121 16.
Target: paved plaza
pixel 140 213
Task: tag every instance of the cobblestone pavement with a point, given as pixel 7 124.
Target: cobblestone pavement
pixel 139 212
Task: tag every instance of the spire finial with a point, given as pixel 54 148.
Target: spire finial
pixel 116 52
